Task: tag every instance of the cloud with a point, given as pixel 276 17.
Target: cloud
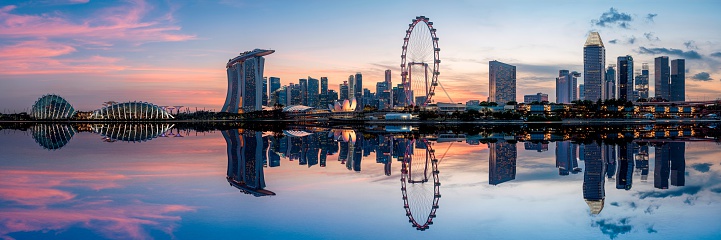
pixel 702 76
pixel 650 36
pixel 613 17
pixel 690 44
pixel 612 229
pixel 650 17
pixel 631 40
pixel 716 54
pixel 670 51
pixel 613 41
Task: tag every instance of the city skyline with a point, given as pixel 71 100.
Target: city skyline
pixel 90 52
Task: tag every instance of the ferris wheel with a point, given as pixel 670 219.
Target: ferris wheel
pixel 419 62
pixel 420 196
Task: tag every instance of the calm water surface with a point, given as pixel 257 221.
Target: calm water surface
pixel 161 182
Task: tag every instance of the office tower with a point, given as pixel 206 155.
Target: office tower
pixel 296 95
pixel 608 153
pixel 625 78
pixel 594 63
pixel 538 97
pixel 313 89
pixel 566 158
pixel 662 77
pixel 323 85
pixel 399 96
pixel 566 86
pixel 624 178
pixel 332 96
pixel 383 95
pixel 593 180
pixel 609 87
pixel 389 85
pixel 245 82
pixel 265 91
pixel 678 163
pixel 359 90
pixel 678 80
pixel 274 84
pixel 502 162
pixel 642 82
pixel 344 91
pixel 303 85
pixel 283 96
pixel 581 92
pixel 501 82
pixel 351 87
pixel 661 167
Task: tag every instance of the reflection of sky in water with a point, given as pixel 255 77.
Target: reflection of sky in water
pixel 176 187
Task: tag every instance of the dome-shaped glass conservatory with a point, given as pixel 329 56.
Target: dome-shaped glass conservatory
pixel 131 111
pixel 52 107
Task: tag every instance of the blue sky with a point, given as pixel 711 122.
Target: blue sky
pixel 173 53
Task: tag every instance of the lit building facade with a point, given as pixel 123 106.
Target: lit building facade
pixel 501 82
pixel 131 111
pixel 594 64
pixel 245 82
pixel 642 82
pixel 538 97
pixel 625 78
pixel 609 87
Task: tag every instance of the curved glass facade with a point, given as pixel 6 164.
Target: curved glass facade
pixel 52 136
pixel 131 111
pixel 52 107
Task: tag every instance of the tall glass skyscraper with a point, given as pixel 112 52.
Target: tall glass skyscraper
pixel 609 87
pixel 566 86
pixel 358 89
pixel 313 92
pixel 678 80
pixel 501 82
pixel 625 78
pixel 662 77
pixel 594 63
pixel 274 84
pixel 245 81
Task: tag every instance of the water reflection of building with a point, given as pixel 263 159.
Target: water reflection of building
pixel 537 146
pixel 609 156
pixel 642 161
pixel 56 136
pixel 670 162
pixel 624 178
pixel 566 158
pixel 245 161
pixel 502 162
pixel 52 136
pixel 593 179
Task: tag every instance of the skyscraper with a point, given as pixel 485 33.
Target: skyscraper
pixel 567 86
pixel 351 86
pixel 581 92
pixel 358 89
pixel 609 87
pixel 344 91
pixel 389 85
pixel 594 63
pixel 265 91
pixel 662 78
pixel 625 78
pixel 642 82
pixel 245 81
pixel 303 85
pixel 274 84
pixel 313 96
pixel 501 82
pixel 678 80
pixel 323 85
pixel 502 162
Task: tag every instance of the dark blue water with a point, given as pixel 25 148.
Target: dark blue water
pixel 161 182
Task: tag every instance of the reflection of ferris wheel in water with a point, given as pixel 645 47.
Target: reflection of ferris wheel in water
pixel 420 198
pixel 419 62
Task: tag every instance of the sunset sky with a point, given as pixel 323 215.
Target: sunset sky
pixel 174 52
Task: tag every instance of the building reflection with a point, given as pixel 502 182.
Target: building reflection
pixel 670 163
pixel 56 136
pixel 593 177
pixel 245 161
pixel 567 158
pixel 624 179
pixel 501 162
